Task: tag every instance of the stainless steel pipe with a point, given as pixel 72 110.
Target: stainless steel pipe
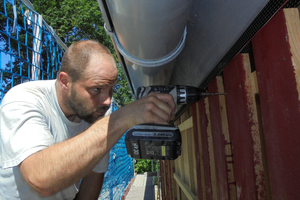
pixel 149 34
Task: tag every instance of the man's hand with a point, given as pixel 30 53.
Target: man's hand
pixel 153 108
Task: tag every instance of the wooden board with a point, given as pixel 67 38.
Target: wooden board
pixel 183 165
pixel 198 153
pixel 244 129
pixel 228 147
pixel 185 188
pixel 191 159
pixel 193 162
pixel 220 141
pixel 162 179
pixel 170 179
pixel 276 52
pixel 204 123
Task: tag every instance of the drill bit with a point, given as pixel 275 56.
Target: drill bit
pixel 211 94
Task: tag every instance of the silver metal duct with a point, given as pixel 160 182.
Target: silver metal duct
pixel 213 26
pixel 149 35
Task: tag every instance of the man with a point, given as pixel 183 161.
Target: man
pixel 53 134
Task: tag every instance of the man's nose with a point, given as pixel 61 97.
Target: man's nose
pixel 105 100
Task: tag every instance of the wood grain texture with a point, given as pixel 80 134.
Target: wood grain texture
pixel 204 126
pixel 220 141
pixel 198 152
pixel 276 53
pixel 244 129
pixel 185 188
pixel 188 123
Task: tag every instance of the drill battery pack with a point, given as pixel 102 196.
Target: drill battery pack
pixel 153 141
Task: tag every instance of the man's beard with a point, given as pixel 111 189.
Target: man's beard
pixel 81 109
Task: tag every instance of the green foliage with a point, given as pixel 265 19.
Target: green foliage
pixel 144 165
pixel 121 93
pixel 155 180
pixel 75 20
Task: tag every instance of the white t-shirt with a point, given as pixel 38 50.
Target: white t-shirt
pixel 31 120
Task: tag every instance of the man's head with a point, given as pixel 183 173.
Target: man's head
pixel 88 74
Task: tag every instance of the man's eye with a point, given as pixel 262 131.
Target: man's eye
pixel 96 89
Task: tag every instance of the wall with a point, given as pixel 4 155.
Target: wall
pixel 245 145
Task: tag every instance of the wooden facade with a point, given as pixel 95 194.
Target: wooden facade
pixel 246 144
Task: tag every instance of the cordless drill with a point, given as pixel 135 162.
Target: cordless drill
pixel 182 94
pixel 157 141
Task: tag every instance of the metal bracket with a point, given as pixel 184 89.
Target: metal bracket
pixel 146 63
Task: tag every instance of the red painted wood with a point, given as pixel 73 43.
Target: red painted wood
pixel 170 180
pixel 204 139
pixel 240 130
pixel 167 179
pixel 167 172
pixel 162 179
pixel 279 107
pixel 219 142
pixel 197 149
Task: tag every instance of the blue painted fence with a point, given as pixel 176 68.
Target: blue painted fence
pixel 120 169
pixel 29 50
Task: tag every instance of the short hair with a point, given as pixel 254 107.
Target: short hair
pixel 77 57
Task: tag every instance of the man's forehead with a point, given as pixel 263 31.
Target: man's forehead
pixel 99 77
pixel 101 64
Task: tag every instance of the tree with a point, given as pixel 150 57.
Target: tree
pixel 121 91
pixel 75 20
pixel 144 165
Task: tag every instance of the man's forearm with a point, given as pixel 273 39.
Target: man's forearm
pixel 63 164
pixel 90 186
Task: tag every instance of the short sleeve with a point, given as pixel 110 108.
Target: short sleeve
pixel 23 131
pixel 102 166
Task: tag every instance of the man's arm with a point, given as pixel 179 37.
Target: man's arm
pixel 63 164
pixel 90 186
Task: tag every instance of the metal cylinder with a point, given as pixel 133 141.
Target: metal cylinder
pixel 149 35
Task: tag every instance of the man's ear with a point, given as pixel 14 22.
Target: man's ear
pixel 64 80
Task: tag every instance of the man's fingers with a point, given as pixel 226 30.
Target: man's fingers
pixel 163 107
pixel 167 98
pixel 153 108
pixel 161 111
